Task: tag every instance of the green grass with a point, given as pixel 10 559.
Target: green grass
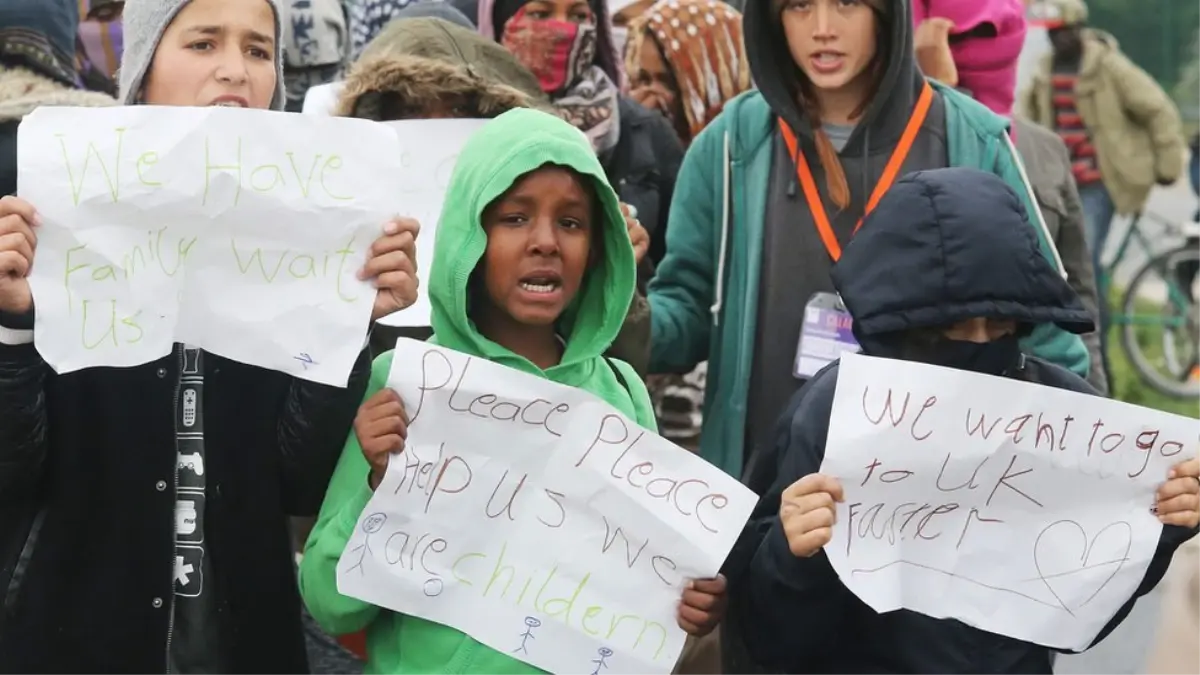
pixel 1126 384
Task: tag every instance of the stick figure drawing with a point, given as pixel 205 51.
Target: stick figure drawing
pixel 530 624
pixel 603 653
pixel 370 525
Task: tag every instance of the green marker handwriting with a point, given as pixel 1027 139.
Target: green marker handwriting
pixel 112 179
pixel 305 174
pixel 157 253
pixel 110 167
pixel 111 329
pixel 295 265
pixel 272 177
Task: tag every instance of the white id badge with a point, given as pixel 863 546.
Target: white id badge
pixel 824 336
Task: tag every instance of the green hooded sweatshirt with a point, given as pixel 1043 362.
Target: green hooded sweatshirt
pixel 496 157
pixel 418 64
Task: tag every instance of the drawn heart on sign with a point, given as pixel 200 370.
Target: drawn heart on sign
pixel 1056 572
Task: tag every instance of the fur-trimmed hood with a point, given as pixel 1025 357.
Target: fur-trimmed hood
pixel 22 90
pixel 420 65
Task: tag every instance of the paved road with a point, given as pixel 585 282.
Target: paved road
pixel 1125 651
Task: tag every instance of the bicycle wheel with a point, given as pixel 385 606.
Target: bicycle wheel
pixel 1160 325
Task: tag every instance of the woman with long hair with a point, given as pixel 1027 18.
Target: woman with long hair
pixel 771 191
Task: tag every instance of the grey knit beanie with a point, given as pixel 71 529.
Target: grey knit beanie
pixel 145 21
pixel 435 9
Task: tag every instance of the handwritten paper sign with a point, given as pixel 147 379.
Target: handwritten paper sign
pixel 538 519
pixel 1016 508
pixel 239 231
pixel 430 149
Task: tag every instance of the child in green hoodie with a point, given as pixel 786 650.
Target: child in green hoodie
pixel 533 269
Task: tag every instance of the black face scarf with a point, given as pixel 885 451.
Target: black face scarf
pixel 997 357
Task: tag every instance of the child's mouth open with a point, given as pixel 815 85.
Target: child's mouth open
pixel 541 286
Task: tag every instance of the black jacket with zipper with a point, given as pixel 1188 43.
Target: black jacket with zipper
pixel 87 469
pixel 642 169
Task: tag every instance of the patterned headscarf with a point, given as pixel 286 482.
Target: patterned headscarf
pixel 367 17
pixel 562 56
pixel 701 41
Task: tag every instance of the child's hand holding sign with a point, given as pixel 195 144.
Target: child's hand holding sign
pixel 381 427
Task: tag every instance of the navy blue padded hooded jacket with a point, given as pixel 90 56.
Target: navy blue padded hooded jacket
pixel 936 250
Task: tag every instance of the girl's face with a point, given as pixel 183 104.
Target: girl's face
pixel 1066 41
pixel 631 11
pixel 573 11
pixel 546 35
pixel 539 245
pixel 832 41
pixel 216 52
pixel 653 85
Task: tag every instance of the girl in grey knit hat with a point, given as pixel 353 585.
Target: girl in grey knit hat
pixel 170 60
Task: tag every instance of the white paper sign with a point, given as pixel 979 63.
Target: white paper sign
pixel 432 146
pixel 430 149
pixel 1016 508
pixel 240 231
pixel 538 520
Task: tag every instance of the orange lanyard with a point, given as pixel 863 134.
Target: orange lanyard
pixel 813 197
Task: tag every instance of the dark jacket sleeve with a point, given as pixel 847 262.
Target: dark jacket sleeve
pixel 668 154
pixel 1077 260
pixel 22 420
pixel 1171 538
pixel 1048 163
pixel 762 476
pixel 1194 167
pixel 792 607
pixel 312 430
pixel 632 344
pixel 1146 102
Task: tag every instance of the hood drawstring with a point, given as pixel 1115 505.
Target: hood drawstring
pixel 726 219
pixel 1037 211
pixel 793 179
pixel 866 158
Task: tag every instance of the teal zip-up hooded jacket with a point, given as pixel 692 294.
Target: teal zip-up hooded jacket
pixel 705 297
pixel 496 157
